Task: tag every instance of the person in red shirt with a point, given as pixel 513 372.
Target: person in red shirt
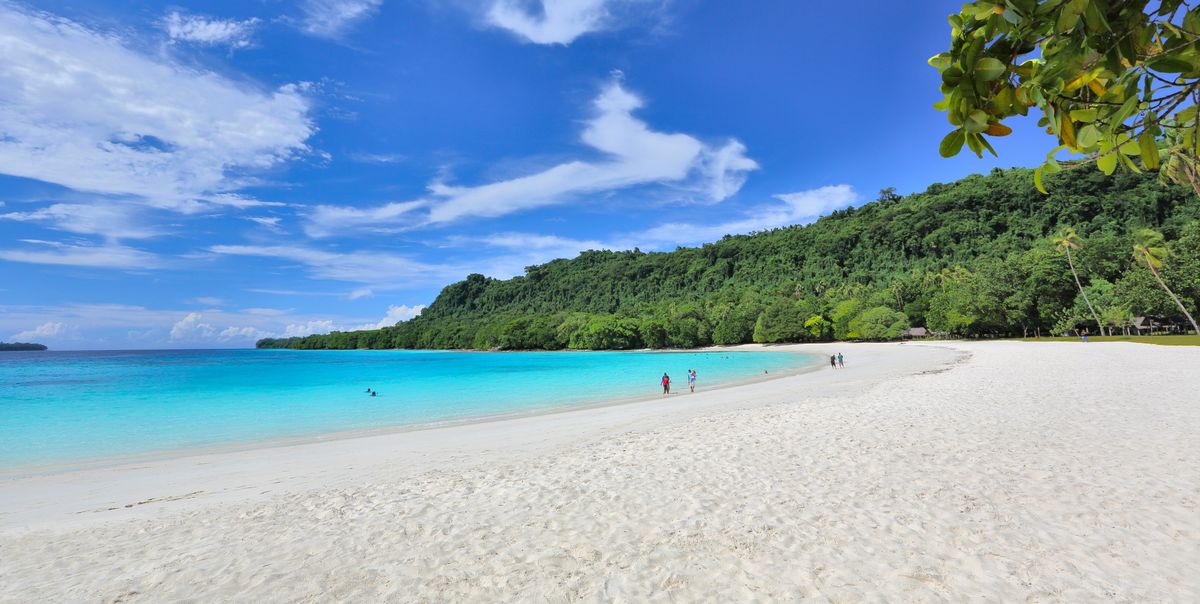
pixel 666 382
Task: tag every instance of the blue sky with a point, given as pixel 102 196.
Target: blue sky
pixel 201 175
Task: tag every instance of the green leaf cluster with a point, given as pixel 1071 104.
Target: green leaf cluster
pixel 1115 80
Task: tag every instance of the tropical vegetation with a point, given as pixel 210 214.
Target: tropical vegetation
pixel 1116 81
pixel 20 346
pixel 980 257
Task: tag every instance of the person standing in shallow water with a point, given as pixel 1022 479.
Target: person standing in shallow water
pixel 833 361
pixel 692 379
pixel 841 361
pixel 666 382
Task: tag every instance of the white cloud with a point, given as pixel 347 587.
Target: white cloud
pixel 378 158
pixel 798 208
pixel 526 249
pixel 234 333
pixel 195 329
pixel 191 327
pixel 633 155
pixel 49 330
pixel 112 220
pixel 550 21
pixel 362 292
pixel 109 255
pixel 332 18
pixel 269 222
pixel 381 269
pixel 522 250
pixel 326 220
pixel 209 31
pixel 81 109
pixel 814 203
pixel 395 314
pixel 124 326
pixel 304 329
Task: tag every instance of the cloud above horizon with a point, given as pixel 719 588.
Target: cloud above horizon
pixel 375 268
pixel 82 109
pixel 46 330
pixel 139 325
pixel 632 154
pixel 525 249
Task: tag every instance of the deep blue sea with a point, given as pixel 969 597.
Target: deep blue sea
pixel 66 409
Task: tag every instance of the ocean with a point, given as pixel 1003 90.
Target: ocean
pixel 73 409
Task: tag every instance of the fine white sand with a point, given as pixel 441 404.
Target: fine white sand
pixel 999 471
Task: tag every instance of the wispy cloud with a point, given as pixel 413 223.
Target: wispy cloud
pixel 52 330
pixel 378 158
pixel 326 220
pixel 82 109
pixel 375 268
pixel 113 220
pixel 110 255
pixel 333 18
pixel 632 155
pixel 519 250
pixel 797 208
pixel 209 31
pixel 119 325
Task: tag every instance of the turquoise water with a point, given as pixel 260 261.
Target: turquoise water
pixel 77 408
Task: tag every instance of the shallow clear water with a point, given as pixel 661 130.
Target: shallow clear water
pixel 74 408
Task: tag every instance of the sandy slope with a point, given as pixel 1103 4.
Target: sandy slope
pixel 1041 472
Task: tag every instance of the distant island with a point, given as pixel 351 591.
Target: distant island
pixel 978 258
pixel 20 346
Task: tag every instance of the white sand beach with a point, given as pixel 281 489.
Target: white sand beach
pixel 999 471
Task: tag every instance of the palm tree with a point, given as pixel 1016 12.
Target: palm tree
pixel 1149 248
pixel 1067 240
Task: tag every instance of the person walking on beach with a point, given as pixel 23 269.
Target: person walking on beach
pixel 833 361
pixel 841 361
pixel 666 382
pixel 692 379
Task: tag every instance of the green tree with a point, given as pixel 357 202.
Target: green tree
pixel 819 328
pixel 607 333
pixel 842 316
pixel 1111 78
pixel 1149 249
pixel 736 326
pixel 880 323
pixel 781 321
pixel 1066 240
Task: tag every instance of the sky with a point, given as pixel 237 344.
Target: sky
pixel 204 174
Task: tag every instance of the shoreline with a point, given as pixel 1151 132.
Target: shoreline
pixel 1010 471
pixel 29 500
pixel 35 470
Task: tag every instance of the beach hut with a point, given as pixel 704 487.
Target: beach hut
pixel 916 332
pixel 1150 325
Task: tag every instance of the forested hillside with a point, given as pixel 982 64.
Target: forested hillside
pixel 973 258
